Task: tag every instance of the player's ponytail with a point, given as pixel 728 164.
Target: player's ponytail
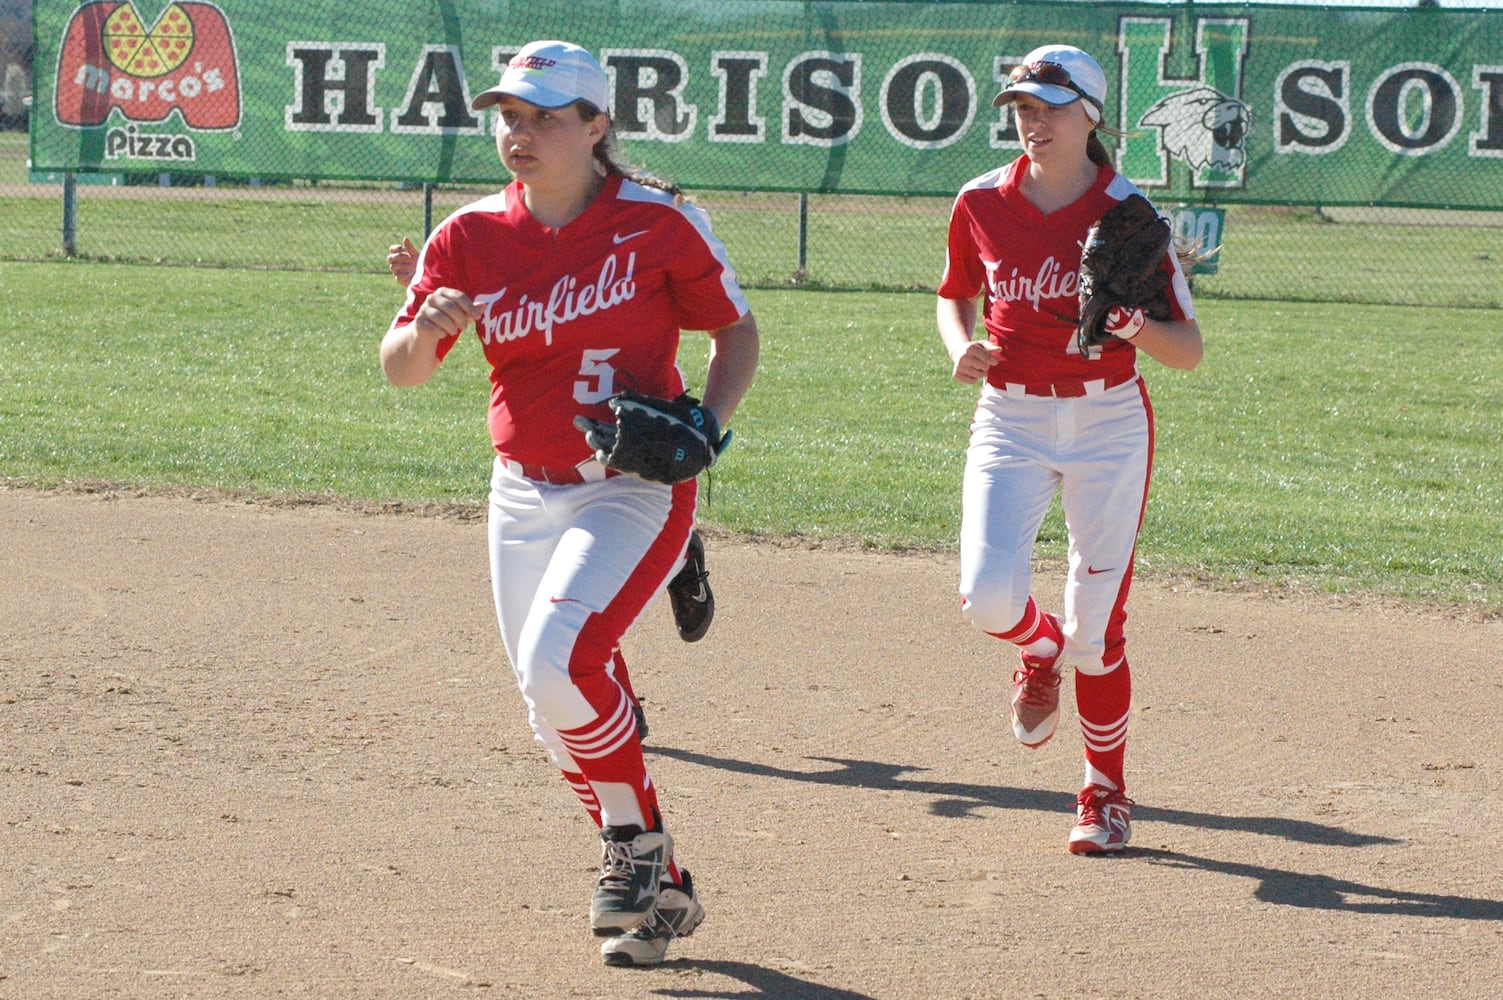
pixel 1189 252
pixel 1096 150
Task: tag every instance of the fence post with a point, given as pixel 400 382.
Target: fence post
pixel 428 210
pixel 70 214
pixel 802 273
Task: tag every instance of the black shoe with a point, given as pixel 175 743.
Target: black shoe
pixel 676 914
pixel 631 868
pixel 641 717
pixel 689 593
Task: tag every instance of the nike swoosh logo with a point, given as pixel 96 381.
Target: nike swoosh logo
pixel 1093 571
pixel 618 239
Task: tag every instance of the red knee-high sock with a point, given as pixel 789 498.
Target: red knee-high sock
pixel 1033 627
pixel 1104 702
pixel 607 748
pixel 580 786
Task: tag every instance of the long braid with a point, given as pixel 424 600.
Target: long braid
pixel 605 156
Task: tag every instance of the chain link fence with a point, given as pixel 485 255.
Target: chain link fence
pixel 1381 255
pixel 1366 221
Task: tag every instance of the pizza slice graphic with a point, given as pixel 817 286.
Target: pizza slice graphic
pixel 141 53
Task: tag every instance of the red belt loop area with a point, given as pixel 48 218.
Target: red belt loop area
pixel 1070 390
pixel 571 475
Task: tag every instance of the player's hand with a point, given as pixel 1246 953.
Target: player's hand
pixel 401 258
pixel 445 313
pixel 1124 324
pixel 972 364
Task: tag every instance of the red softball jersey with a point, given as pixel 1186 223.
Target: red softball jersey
pixel 1028 264
pixel 574 315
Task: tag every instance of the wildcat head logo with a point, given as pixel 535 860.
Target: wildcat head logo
pixel 1203 127
pixel 185 62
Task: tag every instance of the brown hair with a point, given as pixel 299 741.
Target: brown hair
pixel 605 157
pixel 1188 252
pixel 1096 150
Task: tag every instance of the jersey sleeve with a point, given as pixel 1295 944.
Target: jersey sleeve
pixel 706 292
pixel 964 274
pixel 1181 306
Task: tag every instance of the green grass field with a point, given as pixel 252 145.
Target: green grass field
pixel 1347 449
pixel 862 243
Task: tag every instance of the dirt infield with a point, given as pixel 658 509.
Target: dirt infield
pixel 263 751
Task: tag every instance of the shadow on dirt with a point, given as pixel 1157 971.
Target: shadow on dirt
pixel 1321 892
pixel 957 800
pixel 764 983
pixel 1283 888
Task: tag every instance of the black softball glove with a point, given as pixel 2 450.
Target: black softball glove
pixel 1119 266
pixel 664 440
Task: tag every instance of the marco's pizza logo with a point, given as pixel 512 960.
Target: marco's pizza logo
pixel 132 49
pixel 112 60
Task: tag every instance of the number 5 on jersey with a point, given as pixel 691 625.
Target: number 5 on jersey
pixel 597 381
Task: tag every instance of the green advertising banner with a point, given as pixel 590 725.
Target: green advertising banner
pixel 1215 103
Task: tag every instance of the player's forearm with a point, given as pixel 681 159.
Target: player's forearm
pixel 1173 343
pixel 734 351
pixel 956 319
pixel 406 357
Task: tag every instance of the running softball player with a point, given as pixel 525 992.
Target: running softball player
pixel 689 593
pixel 1053 419
pixel 578 279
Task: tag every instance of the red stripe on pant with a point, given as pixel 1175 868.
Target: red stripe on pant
pixel 607 749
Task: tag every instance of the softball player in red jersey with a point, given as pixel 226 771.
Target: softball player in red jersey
pixel 1050 419
pixel 578 280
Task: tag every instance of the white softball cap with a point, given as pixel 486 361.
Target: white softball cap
pixel 550 74
pixel 1058 75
